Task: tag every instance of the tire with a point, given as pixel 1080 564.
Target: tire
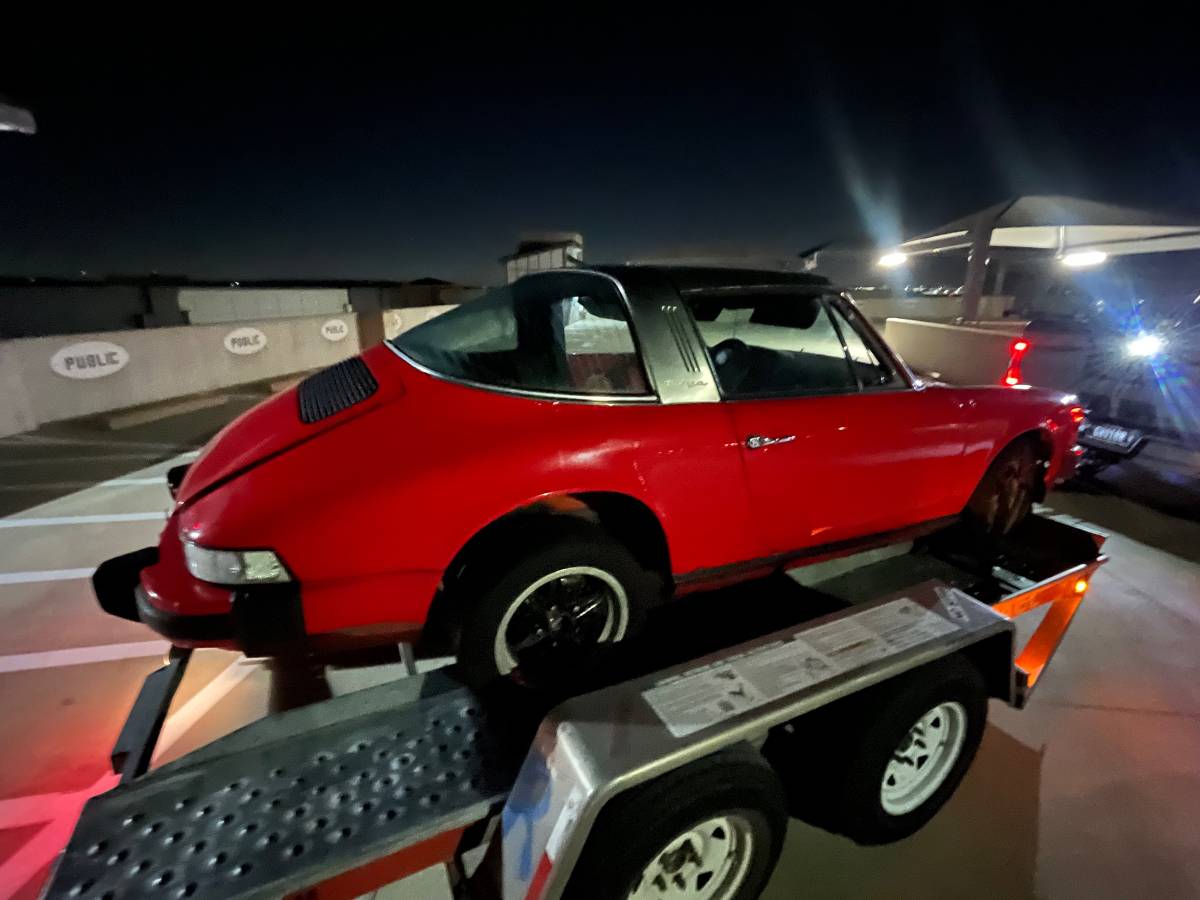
pixel 492 607
pixel 1004 496
pixel 834 761
pixel 726 808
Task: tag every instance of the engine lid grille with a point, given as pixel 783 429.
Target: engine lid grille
pixel 332 390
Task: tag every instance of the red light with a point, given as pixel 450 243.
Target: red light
pixel 1020 346
pixel 1011 379
pixel 1077 414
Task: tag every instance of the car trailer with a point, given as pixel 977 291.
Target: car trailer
pixel 674 783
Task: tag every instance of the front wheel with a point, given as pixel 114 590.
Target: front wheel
pixel 547 618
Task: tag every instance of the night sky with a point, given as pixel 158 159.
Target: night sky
pixel 427 148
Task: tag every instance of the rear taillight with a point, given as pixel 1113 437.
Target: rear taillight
pixel 1078 414
pixel 1016 353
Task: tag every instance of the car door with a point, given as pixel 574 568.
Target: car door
pixel 834 445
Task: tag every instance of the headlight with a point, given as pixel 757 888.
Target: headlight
pixel 234 566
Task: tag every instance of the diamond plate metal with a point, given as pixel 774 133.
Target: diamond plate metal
pixel 288 813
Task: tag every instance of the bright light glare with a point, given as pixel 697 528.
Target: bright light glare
pixel 1145 345
pixel 1020 346
pixel 893 259
pixel 1081 586
pixel 1081 259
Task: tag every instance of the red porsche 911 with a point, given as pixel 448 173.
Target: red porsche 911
pixel 520 479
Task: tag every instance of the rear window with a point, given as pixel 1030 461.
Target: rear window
pixel 561 333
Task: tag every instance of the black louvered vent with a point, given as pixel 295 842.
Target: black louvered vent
pixel 331 390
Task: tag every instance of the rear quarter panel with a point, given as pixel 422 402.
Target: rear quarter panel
pixel 1002 414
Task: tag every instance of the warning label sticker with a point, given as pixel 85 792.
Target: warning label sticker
pixel 710 694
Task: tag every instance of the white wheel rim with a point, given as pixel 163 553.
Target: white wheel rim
pixel 617 615
pixel 709 861
pixel 920 764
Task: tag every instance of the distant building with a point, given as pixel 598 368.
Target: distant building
pixel 539 251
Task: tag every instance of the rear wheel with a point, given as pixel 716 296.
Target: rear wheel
pixel 548 618
pixel 1005 494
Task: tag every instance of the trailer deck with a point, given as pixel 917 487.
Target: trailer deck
pixel 352 793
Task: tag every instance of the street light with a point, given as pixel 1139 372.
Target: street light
pixel 14 118
pixel 1083 259
pixel 893 259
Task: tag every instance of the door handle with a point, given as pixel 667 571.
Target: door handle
pixel 757 441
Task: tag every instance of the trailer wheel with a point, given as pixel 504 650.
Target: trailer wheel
pixel 878 766
pixel 710 830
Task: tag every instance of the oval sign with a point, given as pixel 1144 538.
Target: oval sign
pixel 244 341
pixel 89 359
pixel 335 330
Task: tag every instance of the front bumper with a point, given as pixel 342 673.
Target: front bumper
pixel 264 619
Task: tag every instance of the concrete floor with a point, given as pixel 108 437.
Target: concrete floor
pixel 1092 791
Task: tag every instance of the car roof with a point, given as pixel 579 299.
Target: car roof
pixel 687 279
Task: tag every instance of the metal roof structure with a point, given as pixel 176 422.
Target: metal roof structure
pixel 1065 224
pixel 1078 232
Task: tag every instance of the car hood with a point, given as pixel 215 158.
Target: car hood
pixel 275 426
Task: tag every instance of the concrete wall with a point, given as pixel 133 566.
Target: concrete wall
pixel 958 354
pixel 206 306
pixel 163 363
pixel 398 321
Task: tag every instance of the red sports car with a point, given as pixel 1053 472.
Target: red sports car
pixel 519 480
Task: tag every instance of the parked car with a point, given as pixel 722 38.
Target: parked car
pixel 520 479
pixel 1136 378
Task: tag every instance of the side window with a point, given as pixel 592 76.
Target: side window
pixel 600 355
pixel 772 345
pixel 560 333
pixel 871 370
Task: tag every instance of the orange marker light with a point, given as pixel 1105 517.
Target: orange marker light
pixel 1081 585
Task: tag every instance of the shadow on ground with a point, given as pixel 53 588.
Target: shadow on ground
pixel 64 457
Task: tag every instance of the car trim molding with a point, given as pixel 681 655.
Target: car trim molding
pixel 813 554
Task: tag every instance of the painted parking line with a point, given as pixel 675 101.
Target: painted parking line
pixel 199 705
pixel 97 519
pixel 44 575
pixel 77 656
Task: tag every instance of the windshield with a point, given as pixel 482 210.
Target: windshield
pixel 560 332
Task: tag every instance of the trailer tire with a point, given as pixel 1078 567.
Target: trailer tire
pixel 717 824
pixel 877 766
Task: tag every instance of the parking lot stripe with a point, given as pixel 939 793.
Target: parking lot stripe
pixel 98 519
pixel 45 575
pixel 75 656
pixel 191 712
